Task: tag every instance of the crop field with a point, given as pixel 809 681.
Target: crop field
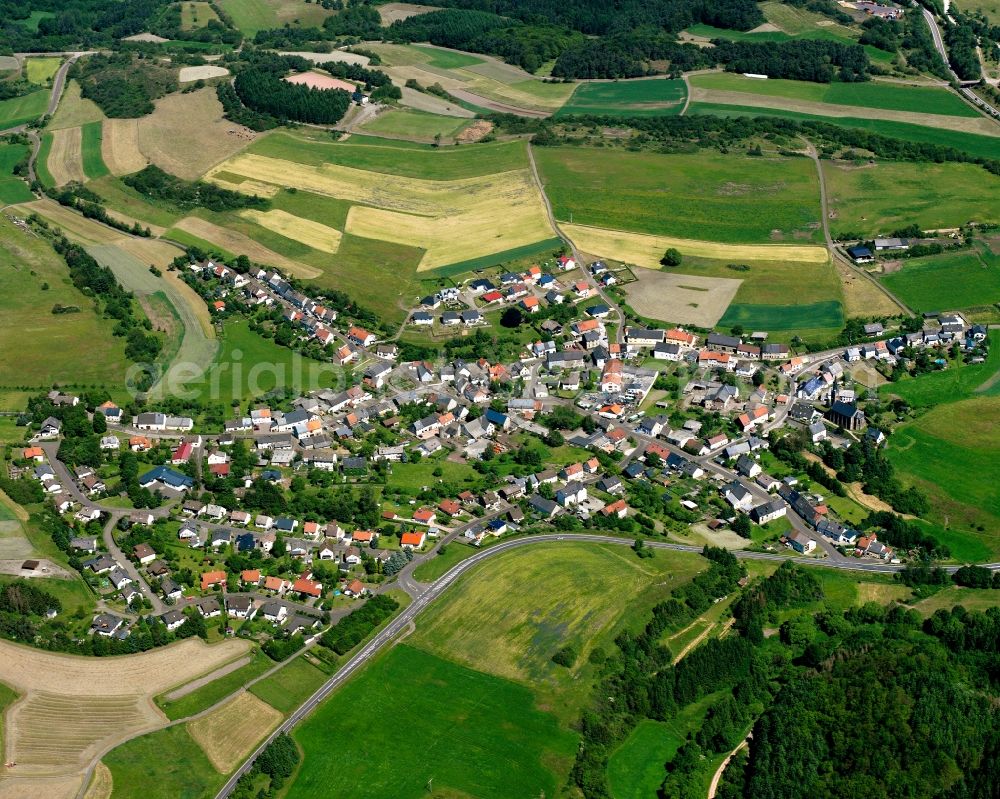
pixel 452 220
pixel 167 764
pixel 649 97
pixel 984 143
pixel 19 110
pixel 231 732
pixel 73 110
pixel 707 196
pixel 879 198
pixel 291 685
pixel 862 296
pixel 313 234
pixel 196 15
pixel 537 602
pixel 37 347
pixel 474 734
pixel 65 162
pixel 75 706
pixel 871 94
pixel 204 72
pixel 186 135
pixel 824 316
pixel 950 453
pixel 12 188
pixel 41 70
pixel 950 281
pixel 120 146
pixel 415 125
pixel 481 80
pixel 251 16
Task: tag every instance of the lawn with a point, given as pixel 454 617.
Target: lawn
pixel 19 110
pixel 871 94
pixel 249 365
pixel 636 769
pixel 291 685
pixel 470 733
pixel 876 199
pixel 704 195
pixel 540 599
pixel 214 692
pixel 12 189
pixel 37 347
pixel 41 70
pixel 413 477
pixel 385 156
pixel 93 162
pixel 630 98
pixel 975 144
pixel 950 453
pixel 947 282
pixel 439 564
pixel 417 125
pixel 952 384
pixel 162 765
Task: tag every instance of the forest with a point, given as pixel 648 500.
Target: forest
pixel 73 24
pixel 122 85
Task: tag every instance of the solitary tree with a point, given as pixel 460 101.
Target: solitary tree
pixel 671 257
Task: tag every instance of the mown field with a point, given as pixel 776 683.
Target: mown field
pixel 38 347
pixel 415 125
pixel 876 199
pixel 947 282
pixel 885 96
pixel 167 764
pixel 472 733
pixel 41 70
pixel 630 98
pixel 986 146
pixel 950 453
pixel 73 110
pixel 953 384
pixel 705 195
pixel 251 16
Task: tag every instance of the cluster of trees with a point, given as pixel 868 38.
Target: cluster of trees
pixel 186 194
pixel 918 47
pixel 865 463
pixel 961 42
pixel 277 763
pixel 789 586
pixel 215 30
pixel 358 625
pixel 901 534
pixel 73 24
pixel 122 84
pixel 26 599
pixel 809 59
pixel 78 196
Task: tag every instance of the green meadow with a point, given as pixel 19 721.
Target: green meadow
pixel 704 195
pixel 952 384
pixel 19 110
pixel 827 315
pixel 12 188
pixel 871 94
pixel 875 199
pixel 93 162
pixel 947 282
pixel 167 764
pixel 627 98
pixel 417 125
pixel 470 733
pixel 950 453
pixel 972 143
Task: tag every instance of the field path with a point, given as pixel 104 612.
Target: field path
pixel 834 252
pixel 194 685
pixel 722 767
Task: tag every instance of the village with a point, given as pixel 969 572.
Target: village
pixel 697 455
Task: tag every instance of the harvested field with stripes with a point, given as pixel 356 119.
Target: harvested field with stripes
pixel 314 234
pixel 66 157
pixel 120 146
pixel 230 733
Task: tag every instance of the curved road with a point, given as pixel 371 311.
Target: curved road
pixel 401 622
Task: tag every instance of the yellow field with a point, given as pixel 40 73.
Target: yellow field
pixel 73 110
pixel 186 134
pixel 101 784
pixel 318 236
pixel 861 296
pixel 120 146
pixel 66 157
pixel 230 733
pixel 453 220
pixel 239 244
pixel 41 70
pixel 645 250
pixel 74 708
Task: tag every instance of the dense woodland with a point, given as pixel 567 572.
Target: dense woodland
pixel 122 84
pixel 184 194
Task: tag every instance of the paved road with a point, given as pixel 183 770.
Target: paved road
pixel 403 620
pixel 159 607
